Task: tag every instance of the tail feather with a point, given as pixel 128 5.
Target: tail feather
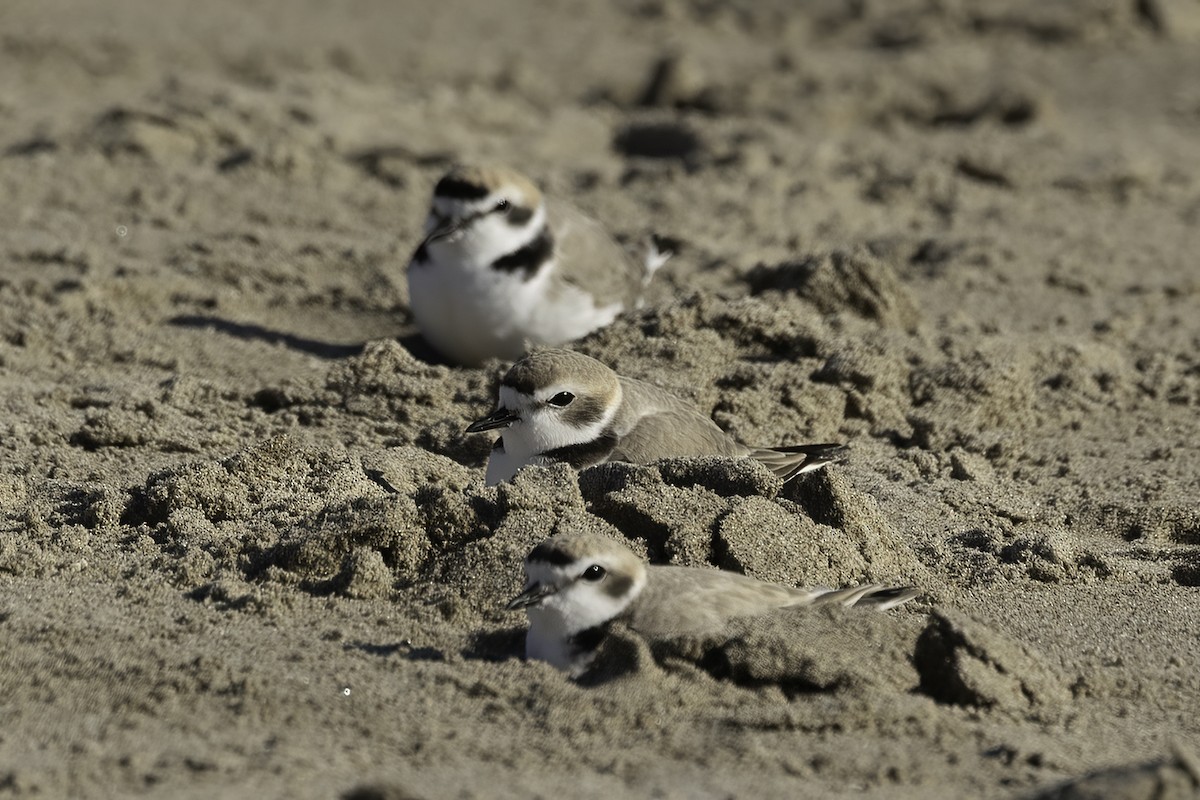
pixel 788 462
pixel 875 595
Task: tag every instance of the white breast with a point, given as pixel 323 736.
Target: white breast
pixel 503 465
pixel 547 640
pixel 471 313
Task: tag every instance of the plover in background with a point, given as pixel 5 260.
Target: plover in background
pixel 576 585
pixel 500 269
pixel 558 406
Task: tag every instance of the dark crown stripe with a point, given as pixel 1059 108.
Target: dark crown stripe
pixel 528 259
pixel 549 555
pixel 459 189
pixel 520 380
pixel 585 454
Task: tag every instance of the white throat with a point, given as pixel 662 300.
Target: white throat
pixel 542 430
pixel 485 239
pixel 578 607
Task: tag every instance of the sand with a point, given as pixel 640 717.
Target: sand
pixel 245 545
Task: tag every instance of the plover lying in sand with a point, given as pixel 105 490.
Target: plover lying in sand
pixel 576 585
pixel 557 406
pixel 499 270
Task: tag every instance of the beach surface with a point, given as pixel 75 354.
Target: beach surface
pixel 246 549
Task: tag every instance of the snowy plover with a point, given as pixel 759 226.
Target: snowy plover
pixel 500 269
pixel 560 406
pixel 576 585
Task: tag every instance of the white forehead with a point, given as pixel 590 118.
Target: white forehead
pixel 544 572
pixel 511 398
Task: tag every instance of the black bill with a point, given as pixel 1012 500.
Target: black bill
pixel 500 418
pixel 445 227
pixel 532 595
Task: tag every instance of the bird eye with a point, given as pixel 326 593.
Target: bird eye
pixel 561 399
pixel 501 206
pixel 594 573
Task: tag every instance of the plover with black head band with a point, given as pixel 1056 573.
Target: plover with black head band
pixel 577 585
pixel 499 269
pixel 558 406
